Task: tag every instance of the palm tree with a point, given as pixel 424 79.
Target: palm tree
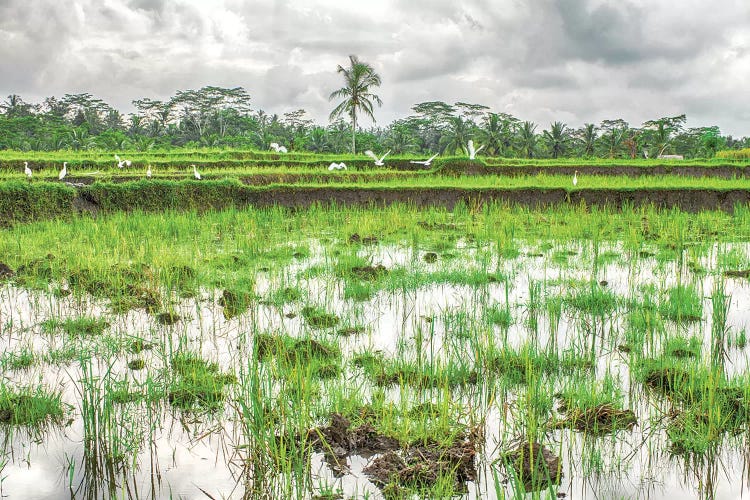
pixel 491 134
pixel 527 138
pixel 358 79
pixel 557 139
pixel 587 136
pixel 456 135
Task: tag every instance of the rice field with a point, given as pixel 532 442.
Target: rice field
pixel 377 352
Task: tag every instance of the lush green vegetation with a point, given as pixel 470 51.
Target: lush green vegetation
pixel 222 118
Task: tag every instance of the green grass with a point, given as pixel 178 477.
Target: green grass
pixel 27 406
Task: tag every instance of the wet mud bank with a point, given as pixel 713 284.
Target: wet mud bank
pixel 146 196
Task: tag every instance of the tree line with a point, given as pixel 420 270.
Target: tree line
pixel 223 117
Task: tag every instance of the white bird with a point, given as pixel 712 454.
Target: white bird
pixel 195 173
pixel 122 163
pixel 473 152
pixel 26 169
pixel 337 166
pixel 279 149
pixel 282 149
pixel 378 161
pixel 426 163
pixel 64 171
pixel 148 172
pixel 575 178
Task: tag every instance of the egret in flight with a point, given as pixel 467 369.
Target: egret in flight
pixel 122 163
pixel 426 163
pixel 337 166
pixel 277 148
pixel 195 173
pixel 473 152
pixel 378 161
pixel 64 171
pixel 26 169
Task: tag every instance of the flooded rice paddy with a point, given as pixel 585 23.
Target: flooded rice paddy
pixel 349 364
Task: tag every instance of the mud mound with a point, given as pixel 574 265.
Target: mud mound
pixel 167 318
pixel 369 272
pixel 338 440
pixel 741 273
pixel 534 465
pixel 422 465
pixel 601 419
pixel 365 240
pixel 5 271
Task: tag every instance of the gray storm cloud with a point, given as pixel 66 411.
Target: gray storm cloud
pixel 572 60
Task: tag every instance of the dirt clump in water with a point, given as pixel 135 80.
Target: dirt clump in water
pixel 437 226
pixel 339 440
pixel 534 465
pixel 234 302
pixel 318 318
pixel 365 240
pixel 421 465
pixel 167 318
pixel 729 273
pixel 600 419
pixel 5 271
pixel 369 272
pixel 430 257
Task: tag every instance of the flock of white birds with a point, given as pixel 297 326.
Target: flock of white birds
pixel 379 161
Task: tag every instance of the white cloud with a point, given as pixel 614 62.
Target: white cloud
pixel 543 60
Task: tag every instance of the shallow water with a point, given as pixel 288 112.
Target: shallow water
pixel 201 456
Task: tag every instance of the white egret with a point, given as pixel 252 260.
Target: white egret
pixel 473 152
pixel 148 172
pixel 64 171
pixel 122 163
pixel 426 163
pixel 282 149
pixel 575 178
pixel 337 166
pixel 279 149
pixel 378 161
pixel 26 169
pixel 195 172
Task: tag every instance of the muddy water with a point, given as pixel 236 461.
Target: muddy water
pixel 198 456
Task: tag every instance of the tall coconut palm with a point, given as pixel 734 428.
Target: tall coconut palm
pixel 456 135
pixel 557 139
pixel 358 78
pixel 527 138
pixel 587 137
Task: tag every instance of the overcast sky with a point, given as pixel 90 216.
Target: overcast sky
pixel 542 60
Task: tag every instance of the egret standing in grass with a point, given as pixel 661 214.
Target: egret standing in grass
pixel 27 170
pixel 575 178
pixel 473 152
pixel 64 171
pixel 148 172
pixel 378 161
pixel 426 163
pixel 195 173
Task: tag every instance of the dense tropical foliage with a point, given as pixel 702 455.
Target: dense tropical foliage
pixel 224 117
